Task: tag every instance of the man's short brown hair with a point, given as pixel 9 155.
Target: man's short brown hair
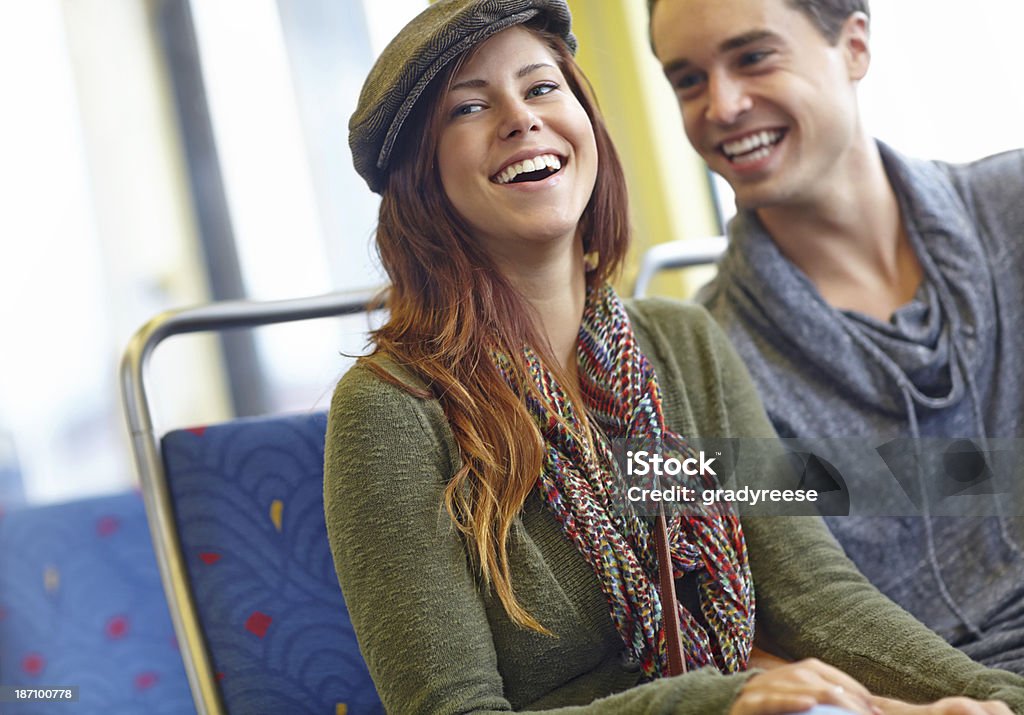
pixel 829 15
pixel 826 15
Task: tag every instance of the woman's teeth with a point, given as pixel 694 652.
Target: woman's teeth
pixel 548 163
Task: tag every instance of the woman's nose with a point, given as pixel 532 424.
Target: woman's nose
pixel 518 118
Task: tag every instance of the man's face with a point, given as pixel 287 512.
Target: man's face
pixel 766 100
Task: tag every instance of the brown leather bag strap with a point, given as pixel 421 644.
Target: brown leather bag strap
pixel 667 591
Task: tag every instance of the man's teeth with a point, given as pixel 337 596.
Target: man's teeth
pixel 752 147
pixel 752 156
pixel 549 161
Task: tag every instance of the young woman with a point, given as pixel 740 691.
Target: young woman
pixel 469 485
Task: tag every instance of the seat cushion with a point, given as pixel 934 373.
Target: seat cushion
pixel 81 603
pixel 248 500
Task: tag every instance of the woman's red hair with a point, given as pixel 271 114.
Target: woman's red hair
pixel 450 308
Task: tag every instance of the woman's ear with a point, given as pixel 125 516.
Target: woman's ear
pixel 855 42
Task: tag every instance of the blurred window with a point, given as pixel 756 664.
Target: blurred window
pixel 280 88
pixel 56 370
pixel 96 232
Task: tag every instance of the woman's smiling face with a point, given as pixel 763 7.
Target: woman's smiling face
pixel 516 151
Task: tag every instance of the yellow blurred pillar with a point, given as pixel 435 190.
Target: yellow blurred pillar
pixel 669 192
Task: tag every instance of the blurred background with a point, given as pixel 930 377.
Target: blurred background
pixel 163 153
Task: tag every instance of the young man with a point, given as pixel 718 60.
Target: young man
pixel 871 295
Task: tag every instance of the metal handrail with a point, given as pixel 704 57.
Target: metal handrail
pixel 682 253
pixel 149 462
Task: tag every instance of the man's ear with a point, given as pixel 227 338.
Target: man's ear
pixel 854 40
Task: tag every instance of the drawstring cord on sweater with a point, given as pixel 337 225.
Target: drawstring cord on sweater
pixel 933 560
pixel 915 433
pixel 948 305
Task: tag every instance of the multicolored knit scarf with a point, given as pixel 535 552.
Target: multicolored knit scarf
pixel 621 394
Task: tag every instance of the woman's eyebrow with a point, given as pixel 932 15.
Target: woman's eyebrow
pixel 527 69
pixel 522 72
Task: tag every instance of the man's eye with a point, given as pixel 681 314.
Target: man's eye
pixel 541 89
pixel 753 58
pixel 687 82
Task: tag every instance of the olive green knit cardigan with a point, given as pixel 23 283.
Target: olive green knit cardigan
pixel 437 642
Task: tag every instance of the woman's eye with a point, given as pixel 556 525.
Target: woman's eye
pixel 541 89
pixel 466 109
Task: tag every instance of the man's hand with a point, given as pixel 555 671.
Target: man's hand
pixel 946 706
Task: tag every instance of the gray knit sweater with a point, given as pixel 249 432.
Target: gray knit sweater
pixel 436 641
pixel 948 364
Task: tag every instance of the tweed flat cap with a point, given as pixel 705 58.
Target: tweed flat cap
pixel 418 53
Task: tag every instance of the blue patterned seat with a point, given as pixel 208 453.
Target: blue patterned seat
pixel 248 505
pixel 81 604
